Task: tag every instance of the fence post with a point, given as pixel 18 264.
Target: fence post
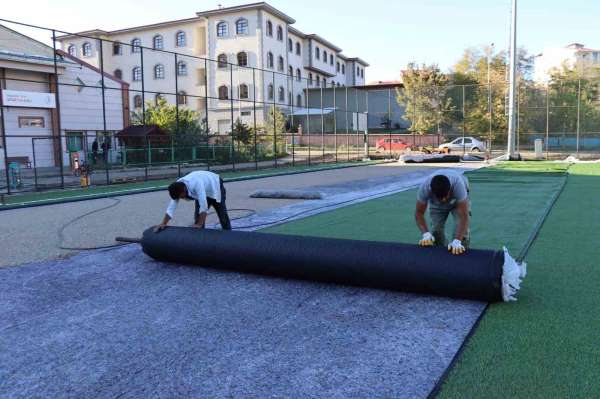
pixel 322 124
pixel 143 85
pixel 57 99
pixel 254 117
pixel 389 118
pixel 347 126
pixel 291 96
pixel 3 133
pixel 176 95
pixel 464 120
pixel 308 118
pixel 232 152
pixel 547 118
pixel 206 128
pixel 104 112
pixel 335 124
pixel 578 114
pixel 275 92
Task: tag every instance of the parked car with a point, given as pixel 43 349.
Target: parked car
pixel 470 144
pixel 392 144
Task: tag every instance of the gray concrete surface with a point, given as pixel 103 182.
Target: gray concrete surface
pixel 109 324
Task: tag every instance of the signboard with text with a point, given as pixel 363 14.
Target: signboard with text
pixel 29 99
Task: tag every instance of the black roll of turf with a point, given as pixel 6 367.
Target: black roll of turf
pixel 476 275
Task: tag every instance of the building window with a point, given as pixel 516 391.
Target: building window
pixel 72 50
pixel 290 46
pixel 317 53
pixel 117 48
pixel 298 75
pixel 269 60
pixel 136 74
pixel 222 61
pixel 242 58
pixel 290 99
pixel 157 42
pixel 357 71
pixel 269 28
pixel 298 100
pixel 279 33
pixel 291 71
pixel 136 45
pixel 330 59
pixel 180 39
pixel 223 92
pixel 318 80
pixel 324 82
pixel 270 91
pixel 337 67
pixel 280 63
pixel 159 71
pixel 362 73
pixel 137 101
pixel 222 29
pixel 243 91
pixel 31 121
pixel 118 74
pixel 241 26
pixel 158 98
pixel 182 98
pixel 181 68
pixel 281 94
pixel 325 56
pixel 246 113
pixel 310 79
pixel 343 69
pixel 86 49
pixel 297 48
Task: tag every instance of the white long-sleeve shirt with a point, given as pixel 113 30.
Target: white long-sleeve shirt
pixel 200 184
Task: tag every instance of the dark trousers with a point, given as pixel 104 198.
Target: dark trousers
pixel 220 208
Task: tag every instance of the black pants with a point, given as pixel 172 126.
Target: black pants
pixel 220 208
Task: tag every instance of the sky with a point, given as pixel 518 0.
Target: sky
pixel 387 34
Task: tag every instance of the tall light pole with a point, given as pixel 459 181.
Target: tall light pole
pixel 512 90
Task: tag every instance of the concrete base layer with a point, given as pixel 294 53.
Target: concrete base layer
pixel 118 324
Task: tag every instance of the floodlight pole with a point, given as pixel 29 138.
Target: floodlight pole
pixel 512 117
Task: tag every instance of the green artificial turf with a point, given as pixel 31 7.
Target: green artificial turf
pixel 506 204
pixel 126 188
pixel 546 345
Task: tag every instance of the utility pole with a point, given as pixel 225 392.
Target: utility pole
pixel 512 90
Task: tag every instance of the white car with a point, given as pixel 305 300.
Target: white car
pixel 470 144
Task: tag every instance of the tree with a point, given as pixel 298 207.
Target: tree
pixel 423 97
pixel 168 117
pixel 469 77
pixel 241 132
pixel 275 122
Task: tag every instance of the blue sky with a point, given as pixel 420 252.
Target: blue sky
pixel 387 34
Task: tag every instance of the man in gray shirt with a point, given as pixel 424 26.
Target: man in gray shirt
pixel 444 193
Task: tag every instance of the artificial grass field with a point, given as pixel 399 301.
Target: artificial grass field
pixel 548 343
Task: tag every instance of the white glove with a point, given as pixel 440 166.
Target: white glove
pixel 427 240
pixel 456 247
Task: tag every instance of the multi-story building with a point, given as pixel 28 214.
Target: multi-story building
pixel 225 63
pixel 555 58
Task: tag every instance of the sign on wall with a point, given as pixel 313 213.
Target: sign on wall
pixel 29 99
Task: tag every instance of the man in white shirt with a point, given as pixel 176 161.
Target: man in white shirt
pixel 207 189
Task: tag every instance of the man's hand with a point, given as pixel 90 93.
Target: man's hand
pixel 427 240
pixel 456 247
pixel 159 227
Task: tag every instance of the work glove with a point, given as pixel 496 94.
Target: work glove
pixel 427 240
pixel 456 247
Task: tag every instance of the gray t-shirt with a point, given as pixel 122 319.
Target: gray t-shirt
pixel 459 190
